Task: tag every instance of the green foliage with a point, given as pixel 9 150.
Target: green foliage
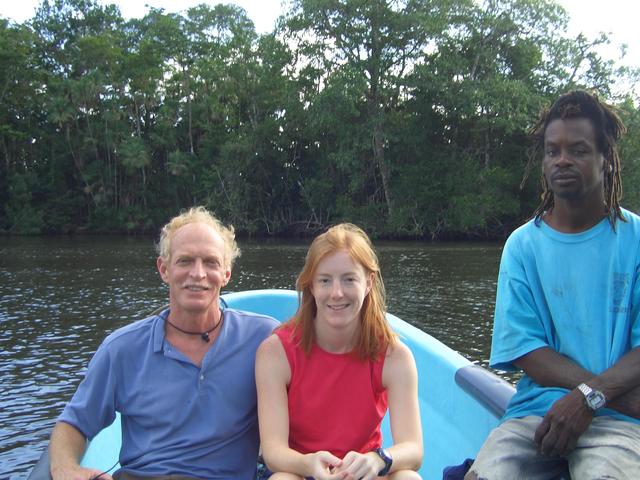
pixel 133 154
pixel 630 154
pixel 22 216
pixel 408 117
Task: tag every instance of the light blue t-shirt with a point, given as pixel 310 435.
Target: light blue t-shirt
pixel 578 294
pixel 176 417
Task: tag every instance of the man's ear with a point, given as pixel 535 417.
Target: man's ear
pixel 162 269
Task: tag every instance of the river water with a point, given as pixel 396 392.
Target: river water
pixel 59 297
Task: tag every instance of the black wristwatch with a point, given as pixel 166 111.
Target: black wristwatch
pixel 594 398
pixel 386 458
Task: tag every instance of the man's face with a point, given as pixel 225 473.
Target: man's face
pixel 573 166
pixel 196 269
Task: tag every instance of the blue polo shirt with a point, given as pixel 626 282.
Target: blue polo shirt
pixel 177 418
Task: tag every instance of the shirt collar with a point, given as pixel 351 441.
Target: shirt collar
pixel 158 331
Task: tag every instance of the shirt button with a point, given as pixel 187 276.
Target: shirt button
pixel 201 378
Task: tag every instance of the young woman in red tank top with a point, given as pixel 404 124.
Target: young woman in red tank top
pixel 327 376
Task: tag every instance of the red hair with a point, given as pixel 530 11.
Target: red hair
pixel 375 333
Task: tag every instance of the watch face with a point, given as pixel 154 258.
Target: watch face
pixel 595 400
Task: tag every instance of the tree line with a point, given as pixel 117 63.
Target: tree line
pixel 407 117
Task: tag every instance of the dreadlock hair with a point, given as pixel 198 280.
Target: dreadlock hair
pixel 608 129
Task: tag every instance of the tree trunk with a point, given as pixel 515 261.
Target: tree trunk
pixel 189 112
pixel 383 168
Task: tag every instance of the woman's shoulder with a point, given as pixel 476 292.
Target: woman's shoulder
pixel 399 350
pixel 271 345
pixel 398 361
pixel 271 359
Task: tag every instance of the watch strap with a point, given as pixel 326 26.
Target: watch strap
pixel 585 389
pixel 386 458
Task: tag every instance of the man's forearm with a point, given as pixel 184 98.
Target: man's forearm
pixel 548 368
pixel 66 447
pixel 628 403
pixel 620 378
pixel 620 384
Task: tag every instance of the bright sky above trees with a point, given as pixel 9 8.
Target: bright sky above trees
pixel 618 19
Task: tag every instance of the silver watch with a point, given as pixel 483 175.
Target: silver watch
pixel 595 399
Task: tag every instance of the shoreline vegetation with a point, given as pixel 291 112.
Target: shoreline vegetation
pixel 255 236
pixel 408 118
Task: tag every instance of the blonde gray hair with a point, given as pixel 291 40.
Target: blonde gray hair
pixel 199 215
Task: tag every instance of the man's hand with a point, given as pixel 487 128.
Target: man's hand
pixel 563 424
pixel 76 472
pixel 360 466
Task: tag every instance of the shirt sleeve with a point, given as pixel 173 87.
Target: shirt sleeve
pixel 518 326
pixel 635 310
pixel 93 405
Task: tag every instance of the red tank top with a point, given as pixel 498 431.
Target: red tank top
pixel 336 401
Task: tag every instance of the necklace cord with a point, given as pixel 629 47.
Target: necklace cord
pixel 204 335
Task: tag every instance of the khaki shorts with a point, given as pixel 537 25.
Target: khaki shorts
pixel 609 449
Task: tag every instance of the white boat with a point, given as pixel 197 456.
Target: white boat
pixel 459 402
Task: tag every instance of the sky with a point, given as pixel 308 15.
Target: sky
pixel 617 18
pixel 262 12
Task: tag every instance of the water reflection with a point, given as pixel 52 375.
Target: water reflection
pixel 59 297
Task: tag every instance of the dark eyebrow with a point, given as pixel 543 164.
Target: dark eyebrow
pixel 550 143
pixel 581 143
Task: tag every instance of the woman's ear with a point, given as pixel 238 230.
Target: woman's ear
pixel 370 278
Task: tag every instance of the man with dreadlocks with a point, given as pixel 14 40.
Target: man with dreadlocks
pixel 568 312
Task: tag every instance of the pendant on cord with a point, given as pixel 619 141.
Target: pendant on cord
pixel 203 335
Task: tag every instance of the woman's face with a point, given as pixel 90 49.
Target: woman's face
pixel 339 287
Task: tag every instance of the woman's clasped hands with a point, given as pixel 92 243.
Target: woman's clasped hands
pixel 354 466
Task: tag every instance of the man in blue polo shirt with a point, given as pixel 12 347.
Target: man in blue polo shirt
pixel 568 312
pixel 183 380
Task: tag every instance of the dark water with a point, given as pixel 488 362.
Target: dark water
pixel 59 297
